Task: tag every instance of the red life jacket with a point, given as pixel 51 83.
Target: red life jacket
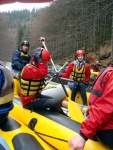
pixel 97 90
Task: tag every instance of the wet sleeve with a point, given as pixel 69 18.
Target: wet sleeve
pixel 68 71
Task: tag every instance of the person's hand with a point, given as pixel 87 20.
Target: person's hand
pixel 56 75
pixel 85 110
pixel 38 55
pixel 42 39
pixel 77 143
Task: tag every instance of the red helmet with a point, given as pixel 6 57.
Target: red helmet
pixel 45 55
pixel 80 52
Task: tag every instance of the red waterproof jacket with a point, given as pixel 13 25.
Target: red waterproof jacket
pixel 68 71
pixel 32 73
pixel 101 105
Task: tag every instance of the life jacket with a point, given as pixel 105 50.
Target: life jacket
pixel 24 59
pixel 78 75
pixel 6 90
pixel 97 90
pixel 31 87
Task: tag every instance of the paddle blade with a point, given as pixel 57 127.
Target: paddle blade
pixel 75 112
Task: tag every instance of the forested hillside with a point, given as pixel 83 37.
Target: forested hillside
pixel 66 25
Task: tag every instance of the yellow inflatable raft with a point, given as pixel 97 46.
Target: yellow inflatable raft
pixel 94 73
pixel 19 137
pixel 53 128
pixel 17 88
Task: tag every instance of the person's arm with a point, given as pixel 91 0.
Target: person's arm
pixel 35 72
pixel 101 111
pixel 68 71
pixel 16 61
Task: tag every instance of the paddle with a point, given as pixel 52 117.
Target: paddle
pixel 58 71
pixel 73 108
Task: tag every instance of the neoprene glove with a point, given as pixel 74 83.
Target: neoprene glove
pixel 38 55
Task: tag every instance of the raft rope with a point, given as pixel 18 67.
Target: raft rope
pixel 48 143
pixel 39 134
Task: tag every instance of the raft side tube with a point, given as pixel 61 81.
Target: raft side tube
pixel 24 141
pixel 3 144
pixel 20 137
pixel 58 118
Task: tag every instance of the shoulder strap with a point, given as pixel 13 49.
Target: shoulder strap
pixel 103 76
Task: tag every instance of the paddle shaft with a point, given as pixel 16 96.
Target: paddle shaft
pixel 70 80
pixel 56 71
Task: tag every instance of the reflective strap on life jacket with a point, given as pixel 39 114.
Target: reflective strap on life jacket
pixel 31 87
